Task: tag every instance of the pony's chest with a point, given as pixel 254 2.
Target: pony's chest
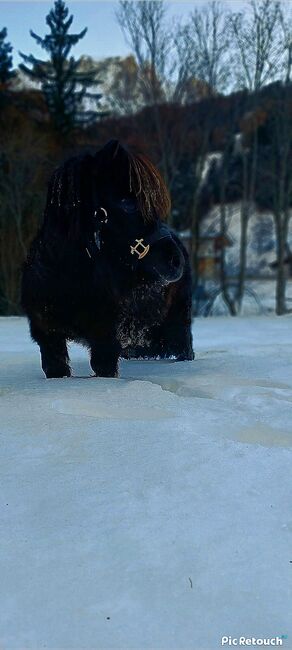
pixel 139 312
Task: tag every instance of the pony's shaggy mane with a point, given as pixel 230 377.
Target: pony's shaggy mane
pixel 76 184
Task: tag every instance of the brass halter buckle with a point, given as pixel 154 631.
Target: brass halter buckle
pixel 143 249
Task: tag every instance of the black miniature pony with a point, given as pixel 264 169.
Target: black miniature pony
pixel 104 270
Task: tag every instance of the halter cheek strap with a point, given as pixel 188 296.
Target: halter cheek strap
pixel 96 242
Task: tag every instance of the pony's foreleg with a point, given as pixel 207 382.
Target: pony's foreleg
pixel 54 353
pixel 175 333
pixel 177 341
pixel 104 356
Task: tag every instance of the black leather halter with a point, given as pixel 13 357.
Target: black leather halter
pixel 137 250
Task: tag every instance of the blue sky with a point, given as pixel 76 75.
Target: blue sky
pixel 104 37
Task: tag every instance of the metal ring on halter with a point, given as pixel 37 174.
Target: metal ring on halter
pixel 142 246
pixel 105 213
pixel 143 249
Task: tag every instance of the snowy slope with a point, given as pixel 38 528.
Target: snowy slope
pixel 261 240
pixel 261 237
pixel 154 511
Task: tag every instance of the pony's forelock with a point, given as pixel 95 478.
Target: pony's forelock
pixel 148 186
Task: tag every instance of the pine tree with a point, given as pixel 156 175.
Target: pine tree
pixel 64 84
pixel 6 72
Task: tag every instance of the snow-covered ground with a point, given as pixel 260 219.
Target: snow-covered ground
pixel 154 511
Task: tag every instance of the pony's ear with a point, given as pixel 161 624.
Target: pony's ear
pixel 115 155
pixel 112 168
pixel 112 149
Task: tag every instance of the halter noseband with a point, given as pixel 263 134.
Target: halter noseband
pixel 141 247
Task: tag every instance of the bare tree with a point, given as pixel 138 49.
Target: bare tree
pixel 146 30
pixel 249 172
pixel 202 46
pixel 257 44
pixel 276 183
pixel 286 39
pixel 257 48
pixel 203 49
pixel 177 64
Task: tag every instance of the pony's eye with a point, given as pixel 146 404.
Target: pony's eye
pixel 129 205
